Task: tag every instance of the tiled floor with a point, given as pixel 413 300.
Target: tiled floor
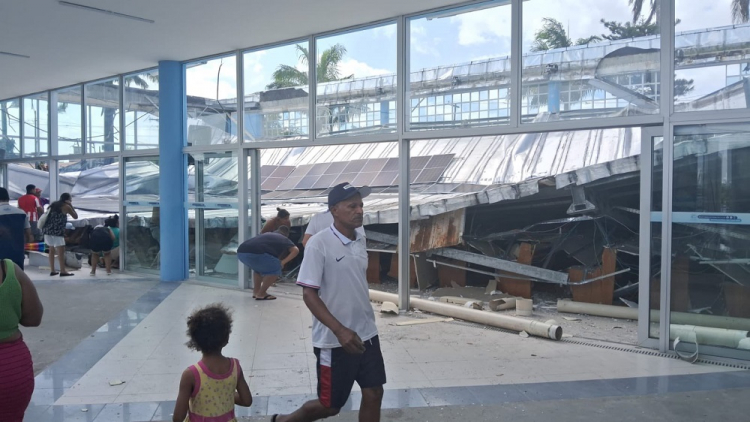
pixel 430 364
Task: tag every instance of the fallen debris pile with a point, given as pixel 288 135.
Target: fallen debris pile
pixel 535 328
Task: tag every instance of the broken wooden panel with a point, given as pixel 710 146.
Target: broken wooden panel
pixel 393 272
pixel 437 232
pixel 597 291
pixel 373 267
pixel 510 283
pixel 447 274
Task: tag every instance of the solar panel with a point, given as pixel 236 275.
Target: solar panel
pixel 307 182
pixel 385 178
pixel 413 174
pixel 266 171
pixel 418 163
pixel 430 175
pixel 301 171
pixel 283 171
pixel 318 169
pixel 271 183
pixel 344 177
pixel 374 165
pixel 391 165
pixel 336 168
pixel 364 179
pixel 289 183
pixel 440 161
pixel 325 181
pixel 355 166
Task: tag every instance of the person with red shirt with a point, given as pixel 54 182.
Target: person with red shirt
pixel 30 204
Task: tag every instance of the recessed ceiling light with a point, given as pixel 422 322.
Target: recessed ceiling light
pixel 109 12
pixel 21 56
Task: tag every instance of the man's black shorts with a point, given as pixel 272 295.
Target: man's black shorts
pixel 338 370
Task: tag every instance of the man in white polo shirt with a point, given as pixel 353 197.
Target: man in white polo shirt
pixel 345 338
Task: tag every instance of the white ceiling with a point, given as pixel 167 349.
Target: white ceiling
pixel 70 45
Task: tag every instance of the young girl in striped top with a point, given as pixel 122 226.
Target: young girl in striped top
pixel 210 389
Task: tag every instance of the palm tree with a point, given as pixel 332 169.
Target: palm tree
pixel 327 68
pixel 740 10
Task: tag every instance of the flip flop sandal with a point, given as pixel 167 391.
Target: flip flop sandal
pixel 54 273
pixel 66 274
pixel 266 297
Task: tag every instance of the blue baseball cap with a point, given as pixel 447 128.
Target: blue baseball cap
pixel 344 191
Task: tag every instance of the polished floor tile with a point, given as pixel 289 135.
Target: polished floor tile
pixel 434 365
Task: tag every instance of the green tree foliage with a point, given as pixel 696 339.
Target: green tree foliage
pixel 740 10
pixel 327 68
pixel 619 31
pixel 551 36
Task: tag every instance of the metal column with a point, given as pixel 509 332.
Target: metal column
pixel 403 167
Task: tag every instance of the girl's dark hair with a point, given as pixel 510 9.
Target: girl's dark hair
pixel 113 221
pixel 209 328
pixel 282 213
pixel 57 205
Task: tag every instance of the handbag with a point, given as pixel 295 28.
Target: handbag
pixel 42 220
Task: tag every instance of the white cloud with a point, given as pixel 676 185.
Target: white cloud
pixel 387 31
pixel 203 80
pixel 483 26
pixel 360 69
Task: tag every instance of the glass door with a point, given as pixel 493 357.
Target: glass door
pixel 213 216
pixel 709 291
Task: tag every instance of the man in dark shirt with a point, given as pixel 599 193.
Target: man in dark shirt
pixel 266 255
pixel 15 224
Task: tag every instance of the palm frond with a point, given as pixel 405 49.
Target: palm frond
pixel 740 11
pixel 328 67
pixel 286 76
pixel 304 54
pixel 135 79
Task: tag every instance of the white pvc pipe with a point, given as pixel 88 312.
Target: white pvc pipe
pixel 534 328
pixel 706 335
pixel 524 307
pixel 622 312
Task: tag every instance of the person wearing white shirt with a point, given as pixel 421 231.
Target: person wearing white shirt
pixel 344 334
pixel 320 222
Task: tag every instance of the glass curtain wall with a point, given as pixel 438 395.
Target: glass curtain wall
pixel 10 129
pixel 459 64
pixel 276 93
pixel 356 83
pixel 69 121
pixel 141 220
pixel 712 56
pixel 141 103
pixel 102 116
pixel 580 61
pixel 36 125
pixel 211 87
pixel 597 60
